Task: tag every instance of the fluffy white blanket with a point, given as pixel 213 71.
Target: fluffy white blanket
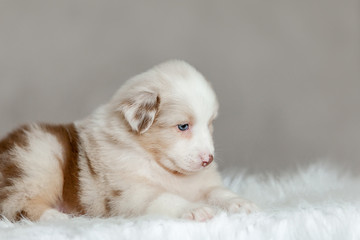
pixel 318 202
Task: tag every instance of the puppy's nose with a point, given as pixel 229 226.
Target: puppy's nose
pixel 206 162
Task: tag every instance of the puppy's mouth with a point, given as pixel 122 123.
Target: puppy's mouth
pixel 178 170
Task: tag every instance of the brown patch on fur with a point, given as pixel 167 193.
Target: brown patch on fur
pixel 9 169
pixel 4 194
pixel 17 137
pixel 10 172
pixel 116 193
pixel 142 104
pixel 68 136
pixel 107 206
pixel 91 168
pixel 139 115
pixel 21 215
pixel 142 113
pixel 145 122
pixel 150 106
pixel 128 102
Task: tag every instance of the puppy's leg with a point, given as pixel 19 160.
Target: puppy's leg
pixel 175 206
pixel 142 199
pixel 229 201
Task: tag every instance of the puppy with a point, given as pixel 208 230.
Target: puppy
pixel 148 151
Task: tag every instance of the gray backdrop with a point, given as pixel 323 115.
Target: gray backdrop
pixel 286 72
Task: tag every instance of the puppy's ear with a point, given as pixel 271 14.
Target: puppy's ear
pixel 140 110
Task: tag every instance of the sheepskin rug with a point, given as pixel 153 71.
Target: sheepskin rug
pixel 317 202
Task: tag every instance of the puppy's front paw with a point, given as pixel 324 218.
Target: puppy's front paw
pixel 239 205
pixel 199 213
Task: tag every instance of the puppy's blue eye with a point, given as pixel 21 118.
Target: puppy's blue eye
pixel 183 127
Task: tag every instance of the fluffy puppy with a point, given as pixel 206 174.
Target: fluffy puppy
pixel 148 151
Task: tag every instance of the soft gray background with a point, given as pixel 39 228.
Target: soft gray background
pixel 286 72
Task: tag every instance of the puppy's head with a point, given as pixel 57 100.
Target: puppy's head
pixel 170 111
